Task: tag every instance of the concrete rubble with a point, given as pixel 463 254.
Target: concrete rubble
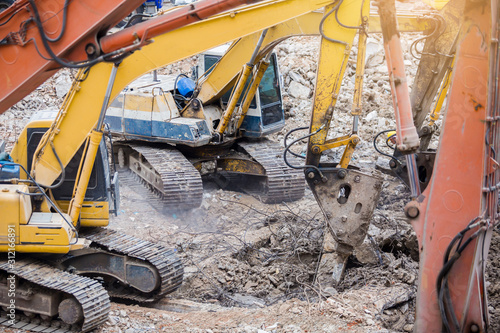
pixel 251 267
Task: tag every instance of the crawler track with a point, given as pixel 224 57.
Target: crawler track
pixel 181 185
pixel 166 262
pixel 91 296
pixel 282 182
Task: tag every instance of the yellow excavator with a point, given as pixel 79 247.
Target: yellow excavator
pixel 37 224
pixel 56 186
pixel 57 272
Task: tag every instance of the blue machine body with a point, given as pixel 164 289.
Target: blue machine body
pixel 146 110
pixel 8 170
pixel 186 86
pixel 158 3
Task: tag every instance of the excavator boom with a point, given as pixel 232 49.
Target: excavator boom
pixel 85 100
pixel 24 61
pixel 37 37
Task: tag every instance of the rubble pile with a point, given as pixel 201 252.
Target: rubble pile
pixel 251 267
pixel 274 260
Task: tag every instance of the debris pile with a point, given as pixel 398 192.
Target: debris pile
pixel 251 267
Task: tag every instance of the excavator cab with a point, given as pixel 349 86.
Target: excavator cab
pixel 101 197
pixel 265 114
pixel 155 107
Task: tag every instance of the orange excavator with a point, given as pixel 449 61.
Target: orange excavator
pixel 455 216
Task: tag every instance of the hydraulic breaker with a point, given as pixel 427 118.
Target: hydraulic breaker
pixel 345 195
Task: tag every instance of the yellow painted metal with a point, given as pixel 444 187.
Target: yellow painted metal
pixel 220 78
pixel 22 230
pixel 58 235
pixel 330 144
pixel 82 105
pixel 64 153
pixel 434 116
pixel 407 21
pixel 357 103
pixel 334 54
pixel 350 141
pixel 141 103
pixel 19 151
pixel 348 151
pixel 75 205
pixel 16 210
pixel 438 4
pixel 235 96
pixel 45 248
pixel 93 214
pixel 82 110
pixel 241 165
pixel 245 105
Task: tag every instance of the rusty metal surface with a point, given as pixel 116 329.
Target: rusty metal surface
pixel 22 68
pixel 347 204
pixel 434 60
pixel 243 165
pixel 174 19
pixel 425 165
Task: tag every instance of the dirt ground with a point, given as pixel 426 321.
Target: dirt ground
pixel 251 267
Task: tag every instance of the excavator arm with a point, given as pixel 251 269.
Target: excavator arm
pixel 455 216
pixel 30 29
pixel 214 85
pixel 84 103
pixel 81 124
pixel 38 37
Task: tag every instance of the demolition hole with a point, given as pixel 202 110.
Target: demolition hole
pixel 344 192
pixel 422 174
pixel 358 207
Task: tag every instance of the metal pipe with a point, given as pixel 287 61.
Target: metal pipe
pixel 107 96
pixel 411 165
pixel 257 48
pixel 355 124
pixel 94 139
pixel 434 116
pixel 240 86
pixel 75 206
pixel 407 136
pixel 245 105
pixel 357 104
